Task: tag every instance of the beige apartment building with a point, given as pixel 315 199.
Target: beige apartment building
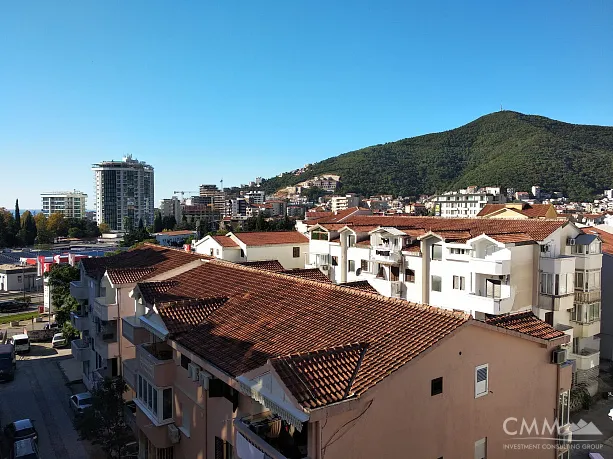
pixel 233 361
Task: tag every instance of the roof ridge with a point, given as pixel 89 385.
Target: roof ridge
pixel 324 350
pixel 339 287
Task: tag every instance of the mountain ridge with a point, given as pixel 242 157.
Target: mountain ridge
pixel 503 148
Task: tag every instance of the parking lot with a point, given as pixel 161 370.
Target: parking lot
pixel 39 392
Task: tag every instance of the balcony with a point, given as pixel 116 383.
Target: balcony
pixel 587 297
pixel 586 359
pixel 556 302
pixel 490 267
pixel 567 330
pixel 80 322
pixel 130 366
pixel 558 265
pixel 386 254
pixel 105 311
pixel 262 431
pixel 155 362
pixel 133 331
pixel 587 262
pixel 585 330
pixel 78 290
pixel 80 350
pixel 489 305
pixel 106 345
pixel 129 416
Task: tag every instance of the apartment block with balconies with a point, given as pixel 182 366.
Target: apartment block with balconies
pixel 483 267
pixel 223 373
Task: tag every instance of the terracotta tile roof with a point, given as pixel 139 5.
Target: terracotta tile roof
pixel 183 315
pixel 128 275
pixel 529 210
pixel 360 285
pixel 161 259
pixel 414 248
pixel 607 238
pixel 511 238
pixel 154 292
pixel 225 241
pixel 452 236
pixel 593 215
pixel 266 265
pixel 537 229
pixel 320 377
pixel 365 243
pixel 315 215
pixel 271 238
pixel 312 273
pixel 270 315
pixel 526 322
pixel 343 214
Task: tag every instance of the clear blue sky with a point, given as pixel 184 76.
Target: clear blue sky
pixel 204 90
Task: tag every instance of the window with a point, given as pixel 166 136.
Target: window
pixel 351 240
pixel 595 247
pixel 223 449
pixel 242 253
pixel 458 251
pixel 319 235
pixel 547 283
pixel 351 266
pixel 167 403
pixel 364 266
pixel 334 261
pixel 212 252
pixel 409 275
pixel 585 313
pixel 185 361
pixel 459 283
pixel 563 408
pixel 381 272
pixel 564 455
pixel 296 252
pixel 579 276
pixel 436 386
pixel 218 388
pixel 437 252
pixel 436 283
pixel 481 380
pixel 545 248
pixel 481 449
pixel 152 398
pixel 19 279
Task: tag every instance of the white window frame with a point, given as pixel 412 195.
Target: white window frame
pixel 440 283
pixel 480 388
pixel 564 408
pixel 145 393
pixel 459 283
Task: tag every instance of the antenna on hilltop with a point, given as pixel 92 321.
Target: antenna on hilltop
pixel 500 107
pixel 221 183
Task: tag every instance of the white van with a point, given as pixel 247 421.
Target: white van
pixel 21 343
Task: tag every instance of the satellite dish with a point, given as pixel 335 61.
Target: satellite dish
pixel 358 271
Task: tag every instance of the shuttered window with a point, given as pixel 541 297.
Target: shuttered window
pixel 481 380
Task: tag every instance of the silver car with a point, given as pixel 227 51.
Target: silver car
pixel 80 402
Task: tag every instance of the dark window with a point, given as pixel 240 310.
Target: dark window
pixel 296 252
pixel 394 273
pixel 364 265
pixel 218 388
pixel 351 266
pixel 409 275
pixel 223 449
pixel 167 404
pixel 242 253
pixel 114 369
pixel 185 361
pixel 437 252
pixel 436 386
pixel 549 318
pixel 334 261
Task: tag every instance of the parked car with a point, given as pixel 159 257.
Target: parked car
pixel 80 402
pixel 25 449
pixel 52 326
pixel 21 430
pixel 8 363
pixel 58 340
pixel 21 343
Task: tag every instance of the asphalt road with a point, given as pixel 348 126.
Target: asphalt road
pixel 39 392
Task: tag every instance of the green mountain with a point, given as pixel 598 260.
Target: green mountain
pixel 504 148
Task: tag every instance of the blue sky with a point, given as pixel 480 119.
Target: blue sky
pixel 204 90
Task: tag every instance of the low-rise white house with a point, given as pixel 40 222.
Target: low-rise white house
pixel 482 266
pixel 174 238
pixel 288 247
pixel 14 278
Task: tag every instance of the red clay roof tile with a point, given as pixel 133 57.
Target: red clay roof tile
pixel 271 238
pixel 526 322
pixel 225 241
pixel 266 265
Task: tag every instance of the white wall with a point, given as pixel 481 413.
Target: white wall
pixel 281 252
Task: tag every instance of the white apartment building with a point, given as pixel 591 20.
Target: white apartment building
pixel 484 267
pixel 103 293
pixel 463 204
pixel 171 208
pixel 255 197
pixel 70 203
pixel 124 190
pixel 287 247
pixel 339 203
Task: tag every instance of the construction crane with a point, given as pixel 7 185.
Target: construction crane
pixel 183 193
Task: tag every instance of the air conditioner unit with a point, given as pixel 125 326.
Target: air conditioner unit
pixel 193 371
pixel 324 267
pixel 173 434
pixel 204 378
pixel 570 241
pixel 559 356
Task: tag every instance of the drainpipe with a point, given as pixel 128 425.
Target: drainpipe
pixel 425 270
pixel 343 258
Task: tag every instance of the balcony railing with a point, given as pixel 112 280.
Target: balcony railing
pixel 133 331
pixel 130 367
pixel 155 362
pixel 80 349
pixel 587 297
pixel 489 305
pixel 586 359
pixel 105 311
pixel 80 322
pixel 490 267
pixel 129 415
pixel 386 253
pixel 106 345
pixel 78 290
pixel 263 431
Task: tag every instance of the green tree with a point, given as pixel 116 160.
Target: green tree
pixel 28 228
pixel 158 223
pixel 56 224
pixel 62 303
pixel 103 423
pixel 104 228
pixel 17 216
pixel 43 235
